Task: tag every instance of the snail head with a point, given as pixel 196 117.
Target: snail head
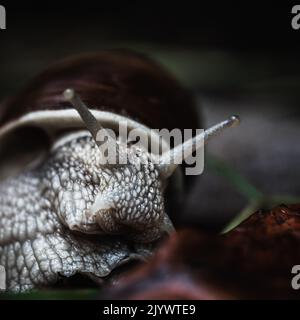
pixel 132 201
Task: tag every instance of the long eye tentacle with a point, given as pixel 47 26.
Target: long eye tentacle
pixel 169 160
pixel 91 122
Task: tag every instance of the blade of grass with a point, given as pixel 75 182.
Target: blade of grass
pixel 252 207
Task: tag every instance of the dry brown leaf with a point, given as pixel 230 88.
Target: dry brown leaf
pixel 252 261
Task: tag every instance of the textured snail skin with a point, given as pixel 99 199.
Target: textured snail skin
pixel 46 230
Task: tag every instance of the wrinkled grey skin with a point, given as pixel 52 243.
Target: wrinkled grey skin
pixel 47 231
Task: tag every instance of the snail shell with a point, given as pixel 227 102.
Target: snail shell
pixel 46 183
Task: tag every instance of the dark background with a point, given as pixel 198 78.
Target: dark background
pixel 237 58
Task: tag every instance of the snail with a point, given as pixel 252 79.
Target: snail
pixel 63 212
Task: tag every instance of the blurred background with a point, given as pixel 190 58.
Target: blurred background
pixel 236 58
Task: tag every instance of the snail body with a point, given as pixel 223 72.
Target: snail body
pixel 63 212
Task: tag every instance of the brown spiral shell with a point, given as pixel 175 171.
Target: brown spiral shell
pixel 119 81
